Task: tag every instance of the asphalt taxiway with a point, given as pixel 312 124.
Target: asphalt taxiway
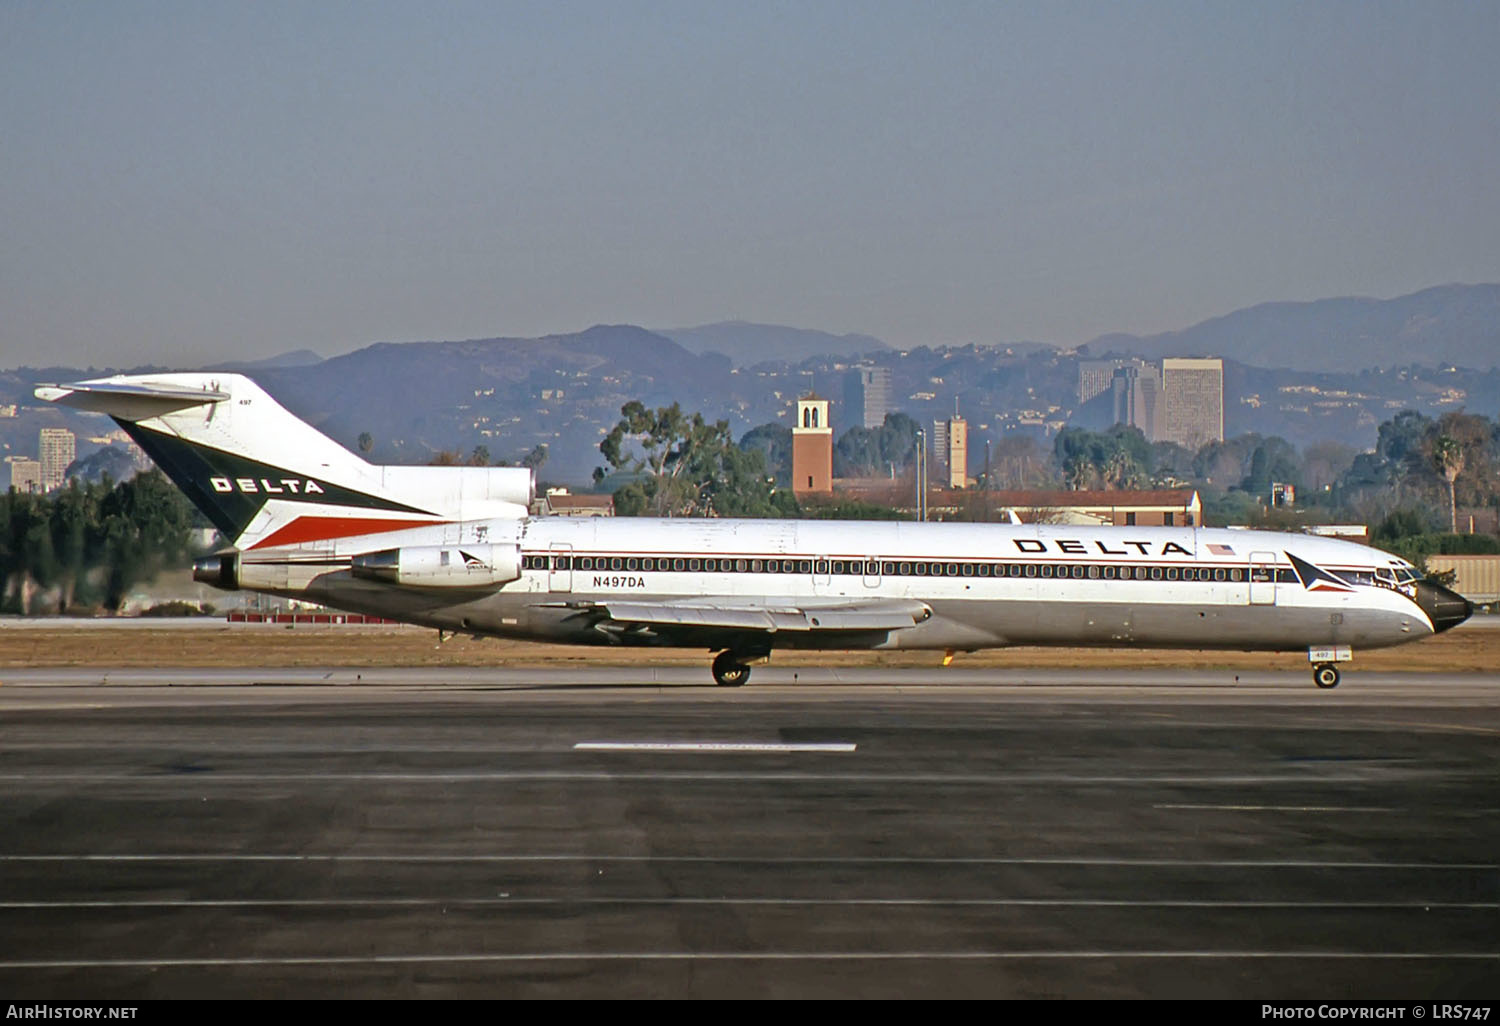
pixel 847 833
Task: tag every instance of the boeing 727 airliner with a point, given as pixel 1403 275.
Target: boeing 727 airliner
pixel 454 548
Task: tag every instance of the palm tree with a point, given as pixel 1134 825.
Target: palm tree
pixel 1448 458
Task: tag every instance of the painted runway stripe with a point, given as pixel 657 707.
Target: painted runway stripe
pixel 709 746
pixel 791 860
pixel 1425 906
pixel 209 776
pixel 1277 808
pixel 746 956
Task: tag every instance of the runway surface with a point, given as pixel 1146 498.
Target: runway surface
pixel 852 833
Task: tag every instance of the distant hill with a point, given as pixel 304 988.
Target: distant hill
pixel 506 394
pixel 297 358
pixel 1449 325
pixel 747 344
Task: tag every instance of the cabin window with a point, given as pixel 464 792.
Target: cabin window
pixel 1236 575
pixel 616 563
pixel 1156 573
pixel 1219 574
pixel 632 564
pixel 1171 573
pixel 838 566
pixel 1093 573
pixel 695 565
pixel 756 566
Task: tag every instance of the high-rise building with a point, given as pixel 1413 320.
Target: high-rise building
pixel 56 447
pixel 1137 398
pixel 812 448
pixel 25 475
pixel 1095 377
pixel 1193 390
pixel 867 395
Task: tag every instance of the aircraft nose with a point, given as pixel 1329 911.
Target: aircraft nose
pixel 1444 606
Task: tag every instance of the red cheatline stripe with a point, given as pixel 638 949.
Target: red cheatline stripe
pixel 305 529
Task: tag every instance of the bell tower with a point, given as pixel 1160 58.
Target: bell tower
pixel 812 448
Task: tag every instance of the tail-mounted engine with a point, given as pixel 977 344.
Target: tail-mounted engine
pixel 441 566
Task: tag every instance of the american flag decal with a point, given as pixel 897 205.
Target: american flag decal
pixel 1221 550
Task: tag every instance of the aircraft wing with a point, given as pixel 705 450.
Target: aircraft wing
pixel 760 615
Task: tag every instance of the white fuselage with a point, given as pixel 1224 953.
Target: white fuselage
pixel 985 584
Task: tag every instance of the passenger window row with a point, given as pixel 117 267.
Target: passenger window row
pixel 906 568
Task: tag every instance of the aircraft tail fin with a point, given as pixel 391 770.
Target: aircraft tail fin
pixel 265 477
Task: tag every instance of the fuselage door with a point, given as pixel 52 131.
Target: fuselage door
pixel 1262 578
pixel 821 574
pixel 560 567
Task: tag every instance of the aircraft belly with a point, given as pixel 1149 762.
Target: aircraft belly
pixel 963 624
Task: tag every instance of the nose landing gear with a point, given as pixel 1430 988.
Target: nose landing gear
pixel 1323 659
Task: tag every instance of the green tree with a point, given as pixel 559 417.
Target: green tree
pixel 685 466
pixel 774 442
pixel 1448 460
pixel 534 459
pixel 146 524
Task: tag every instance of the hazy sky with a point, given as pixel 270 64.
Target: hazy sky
pixel 198 181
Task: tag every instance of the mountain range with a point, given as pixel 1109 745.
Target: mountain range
pixel 1457 325
pixel 1438 349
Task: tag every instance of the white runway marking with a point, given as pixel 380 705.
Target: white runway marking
pixel 677 900
pixel 709 746
pixel 742 956
pixel 1277 808
pixel 792 860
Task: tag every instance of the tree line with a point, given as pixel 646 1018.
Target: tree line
pixel 88 544
pixel 1422 471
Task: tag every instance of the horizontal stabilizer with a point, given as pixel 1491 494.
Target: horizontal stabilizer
pixel 132 400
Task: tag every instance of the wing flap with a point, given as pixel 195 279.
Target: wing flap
pixel 767 616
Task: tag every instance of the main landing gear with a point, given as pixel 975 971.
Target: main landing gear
pixel 1326 675
pixel 730 670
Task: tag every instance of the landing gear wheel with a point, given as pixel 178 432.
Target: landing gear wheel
pixel 1326 675
pixel 729 672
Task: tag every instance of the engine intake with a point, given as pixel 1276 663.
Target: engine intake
pixel 441 566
